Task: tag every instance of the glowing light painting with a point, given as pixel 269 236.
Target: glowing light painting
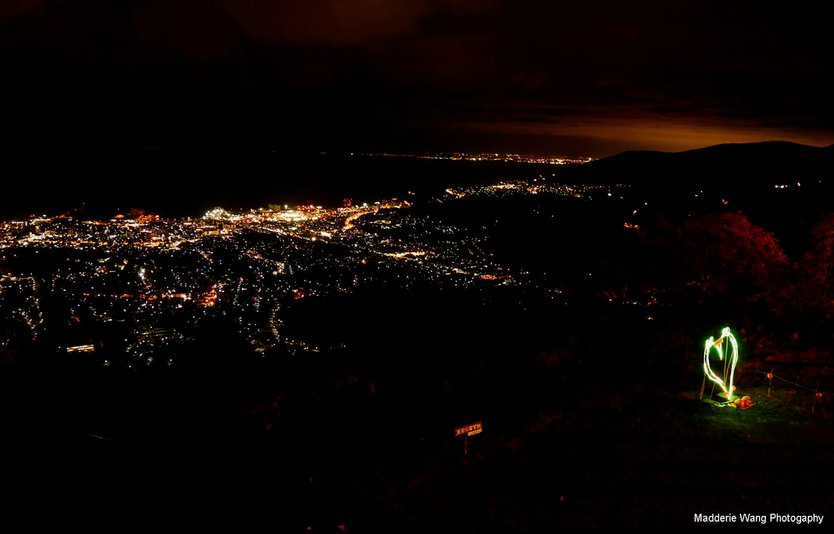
pixel 726 347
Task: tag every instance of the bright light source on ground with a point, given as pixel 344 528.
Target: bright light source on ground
pixel 726 347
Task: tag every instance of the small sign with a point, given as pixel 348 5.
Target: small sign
pixel 469 430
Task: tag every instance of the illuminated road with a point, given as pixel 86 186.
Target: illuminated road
pixel 349 220
pixel 274 321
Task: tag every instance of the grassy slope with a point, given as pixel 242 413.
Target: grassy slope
pixel 622 454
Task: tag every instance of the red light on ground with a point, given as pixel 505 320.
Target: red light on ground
pixel 744 403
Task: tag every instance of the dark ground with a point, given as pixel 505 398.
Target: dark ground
pixel 599 449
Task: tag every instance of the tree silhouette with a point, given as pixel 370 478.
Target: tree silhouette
pixel 817 268
pixel 727 254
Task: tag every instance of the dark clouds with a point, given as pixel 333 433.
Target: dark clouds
pixel 593 76
pixel 343 22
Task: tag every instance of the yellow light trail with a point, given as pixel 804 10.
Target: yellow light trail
pixel 723 350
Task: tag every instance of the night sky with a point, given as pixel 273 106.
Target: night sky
pixel 581 78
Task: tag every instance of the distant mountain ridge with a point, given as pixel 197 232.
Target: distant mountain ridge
pixel 768 162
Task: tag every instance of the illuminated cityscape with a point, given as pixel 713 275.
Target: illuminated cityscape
pixel 489 318
pixel 409 266
pixel 147 271
pixel 492 156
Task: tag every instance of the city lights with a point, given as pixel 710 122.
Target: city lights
pixel 140 270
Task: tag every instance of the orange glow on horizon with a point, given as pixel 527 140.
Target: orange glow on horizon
pixel 657 133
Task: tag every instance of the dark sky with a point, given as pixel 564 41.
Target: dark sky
pixel 588 77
